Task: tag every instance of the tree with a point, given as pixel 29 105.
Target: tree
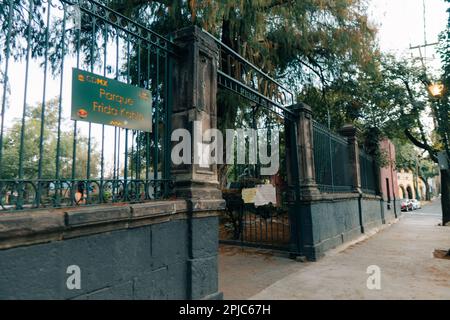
pixel 414 104
pixel 31 148
pixel 442 112
pixel 427 170
pixel 411 113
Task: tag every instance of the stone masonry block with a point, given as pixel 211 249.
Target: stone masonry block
pixel 25 223
pixel 203 277
pixel 95 215
pixel 205 233
pixel 152 285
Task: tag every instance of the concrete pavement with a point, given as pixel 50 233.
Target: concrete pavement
pixel 243 272
pixel 403 253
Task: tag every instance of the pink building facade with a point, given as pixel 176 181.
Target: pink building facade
pixel 388 178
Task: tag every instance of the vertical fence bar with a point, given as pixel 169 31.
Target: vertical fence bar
pixel 61 83
pixel 44 97
pixel 139 134
pixel 114 163
pixel 75 129
pixel 156 129
pixel 102 161
pixel 138 155
pixel 22 130
pixel 331 161
pixel 5 81
pixel 126 130
pixel 116 129
pixel 125 175
pixel 88 169
pixel 133 159
pixel 147 134
pixel 168 127
pixel 118 153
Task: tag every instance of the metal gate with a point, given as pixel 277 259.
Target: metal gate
pixel 47 160
pixel 260 103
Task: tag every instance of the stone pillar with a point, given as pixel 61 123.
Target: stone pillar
pixel 350 132
pixel 300 164
pixel 305 151
pixel 194 89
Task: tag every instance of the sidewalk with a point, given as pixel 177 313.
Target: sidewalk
pixel 403 251
pixel 244 272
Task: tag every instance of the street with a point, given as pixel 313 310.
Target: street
pixel 432 209
pixel 403 252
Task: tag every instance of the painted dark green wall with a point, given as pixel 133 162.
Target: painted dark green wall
pixel 326 224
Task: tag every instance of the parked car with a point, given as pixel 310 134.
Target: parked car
pixel 406 205
pixel 416 204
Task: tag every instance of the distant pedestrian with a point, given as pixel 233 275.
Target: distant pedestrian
pixel 80 197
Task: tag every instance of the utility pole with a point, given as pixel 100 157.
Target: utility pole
pixel 423 57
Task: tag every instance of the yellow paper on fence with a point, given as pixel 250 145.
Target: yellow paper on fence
pixel 249 195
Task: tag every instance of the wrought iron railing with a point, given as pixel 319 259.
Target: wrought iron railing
pixel 367 167
pixel 237 74
pixel 47 160
pixel 331 160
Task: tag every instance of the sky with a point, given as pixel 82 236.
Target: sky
pixel 405 23
pixel 400 24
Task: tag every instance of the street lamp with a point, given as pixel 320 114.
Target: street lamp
pixel 436 89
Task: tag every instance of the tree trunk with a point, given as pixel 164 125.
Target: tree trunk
pixel 427 189
pixel 445 196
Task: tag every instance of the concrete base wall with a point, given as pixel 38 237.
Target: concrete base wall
pixel 392 210
pixel 154 253
pixel 334 220
pixel 372 213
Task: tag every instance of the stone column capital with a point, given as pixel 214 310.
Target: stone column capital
pixel 194 36
pixel 351 132
pixel 301 108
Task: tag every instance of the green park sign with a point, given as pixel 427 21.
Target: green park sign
pixel 106 101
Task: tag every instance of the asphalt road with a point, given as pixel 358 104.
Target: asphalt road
pixel 433 209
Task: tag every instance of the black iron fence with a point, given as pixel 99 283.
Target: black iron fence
pixel 240 76
pixel 331 160
pixel 260 105
pixel 245 222
pixel 48 160
pixel 367 167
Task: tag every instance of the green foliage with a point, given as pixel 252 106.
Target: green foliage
pixel 409 158
pixel 441 106
pixel 31 148
pixel 312 42
pixel 406 155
